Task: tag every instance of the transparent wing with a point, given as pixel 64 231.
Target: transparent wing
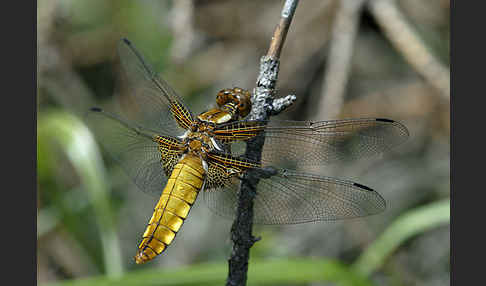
pixel 325 142
pixel 221 187
pixel 294 197
pixel 222 200
pixel 134 148
pixel 317 142
pixel 291 197
pixel 157 105
pixel 287 197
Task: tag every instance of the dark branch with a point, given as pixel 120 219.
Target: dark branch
pixel 263 106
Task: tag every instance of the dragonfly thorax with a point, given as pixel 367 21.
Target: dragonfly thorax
pixel 199 143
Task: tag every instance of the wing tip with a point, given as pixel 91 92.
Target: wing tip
pixel 404 129
pixel 385 120
pixel 363 187
pixel 126 41
pixel 380 204
pixel 96 109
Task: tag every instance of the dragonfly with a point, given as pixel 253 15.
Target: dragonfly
pixel 168 151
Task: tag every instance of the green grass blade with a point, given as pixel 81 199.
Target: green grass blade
pixel 409 224
pixel 77 142
pixel 269 272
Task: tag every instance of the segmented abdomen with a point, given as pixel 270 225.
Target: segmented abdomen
pixel 174 204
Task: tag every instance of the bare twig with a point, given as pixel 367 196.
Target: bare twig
pixel 263 106
pixel 340 54
pixel 280 32
pixel 402 36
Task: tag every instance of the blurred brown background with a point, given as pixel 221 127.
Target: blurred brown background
pixel 341 59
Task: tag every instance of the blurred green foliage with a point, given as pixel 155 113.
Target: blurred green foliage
pixel 65 132
pixel 407 225
pixel 272 272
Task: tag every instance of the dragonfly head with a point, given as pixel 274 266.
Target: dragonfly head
pixel 235 98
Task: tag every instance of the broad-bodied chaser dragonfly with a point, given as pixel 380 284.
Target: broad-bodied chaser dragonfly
pixel 166 145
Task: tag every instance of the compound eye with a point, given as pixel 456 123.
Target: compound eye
pixel 221 97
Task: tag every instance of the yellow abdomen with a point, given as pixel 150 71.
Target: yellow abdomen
pixel 174 204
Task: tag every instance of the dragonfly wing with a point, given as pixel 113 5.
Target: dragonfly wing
pixel 134 148
pixel 308 143
pixel 222 201
pixel 291 197
pixel 156 103
pixel 239 130
pixel 221 188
